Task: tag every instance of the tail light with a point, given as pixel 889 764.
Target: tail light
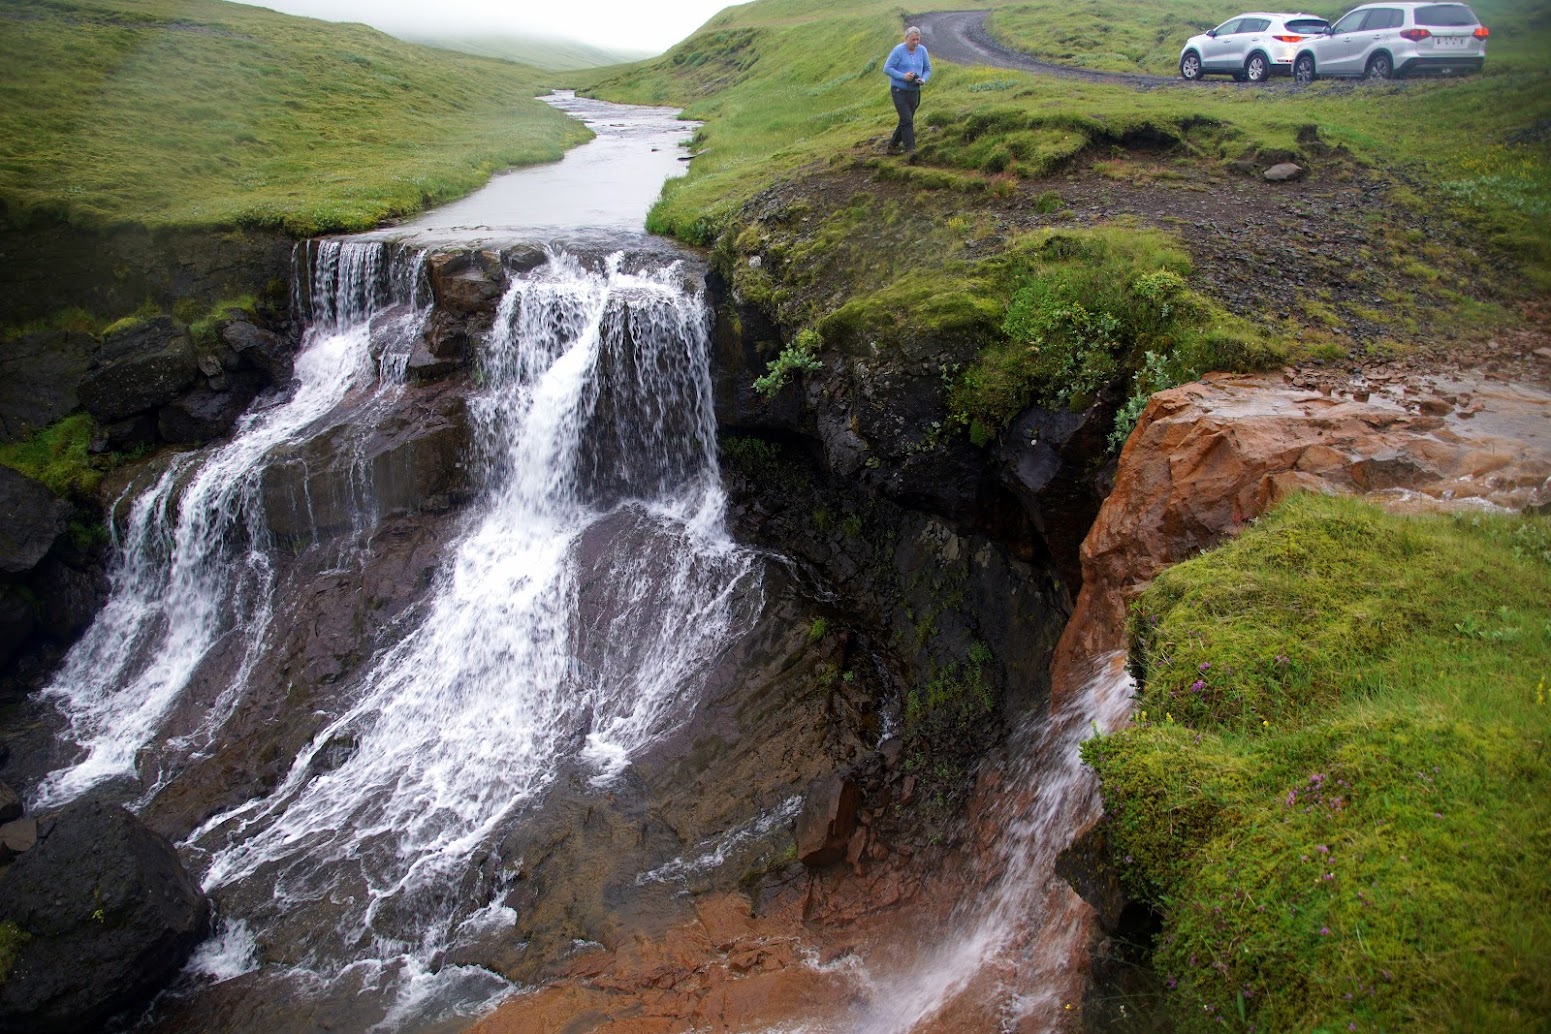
pixel 1288 39
pixel 1481 32
pixel 1415 35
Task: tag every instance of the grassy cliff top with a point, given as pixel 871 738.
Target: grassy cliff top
pixel 204 113
pixel 790 85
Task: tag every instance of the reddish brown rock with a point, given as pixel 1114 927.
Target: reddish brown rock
pixel 1207 457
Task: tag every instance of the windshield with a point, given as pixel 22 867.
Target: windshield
pixel 1445 15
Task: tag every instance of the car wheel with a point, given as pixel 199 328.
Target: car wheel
pixel 1380 67
pixel 1190 66
pixel 1303 68
pixel 1257 68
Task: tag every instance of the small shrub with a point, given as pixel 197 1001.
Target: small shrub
pixel 801 356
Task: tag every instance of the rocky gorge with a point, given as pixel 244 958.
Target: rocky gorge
pixel 847 772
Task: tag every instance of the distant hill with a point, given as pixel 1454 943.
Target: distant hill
pixel 198 113
pixel 560 55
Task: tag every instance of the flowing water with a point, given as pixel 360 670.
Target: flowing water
pixel 374 852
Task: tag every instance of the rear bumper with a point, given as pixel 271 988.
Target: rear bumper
pixel 1441 65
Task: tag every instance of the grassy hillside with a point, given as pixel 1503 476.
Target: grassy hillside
pixel 549 54
pixel 203 113
pixel 1336 787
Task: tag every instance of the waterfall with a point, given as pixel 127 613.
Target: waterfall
pixel 590 585
pixel 194 561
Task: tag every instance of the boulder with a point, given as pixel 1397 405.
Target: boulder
pixel 466 282
pixel 40 379
pixel 146 364
pixel 10 804
pixel 31 518
pixel 259 349
pixel 205 413
pixel 17 836
pixel 1283 171
pixel 827 820
pixel 110 914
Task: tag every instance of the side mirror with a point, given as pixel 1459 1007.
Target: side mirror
pixel 1212 33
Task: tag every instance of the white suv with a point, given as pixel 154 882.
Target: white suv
pixel 1251 48
pixel 1383 40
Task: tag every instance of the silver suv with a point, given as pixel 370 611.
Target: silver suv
pixel 1251 48
pixel 1383 40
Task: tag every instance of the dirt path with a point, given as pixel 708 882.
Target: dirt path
pixel 961 37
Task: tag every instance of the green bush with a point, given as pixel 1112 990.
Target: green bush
pixel 801 356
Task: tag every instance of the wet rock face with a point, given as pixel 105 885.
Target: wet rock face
pixel 466 283
pixel 110 913
pixel 143 366
pixel 413 460
pixel 31 518
pixel 40 377
pixel 827 820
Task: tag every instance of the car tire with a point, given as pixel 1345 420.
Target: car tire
pixel 1303 69
pixel 1380 67
pixel 1257 69
pixel 1190 66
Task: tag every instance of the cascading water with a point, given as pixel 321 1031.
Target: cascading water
pixel 590 588
pixel 195 560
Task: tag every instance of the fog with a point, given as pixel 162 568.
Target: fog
pixel 626 24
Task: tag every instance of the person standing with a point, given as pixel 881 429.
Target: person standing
pixel 908 67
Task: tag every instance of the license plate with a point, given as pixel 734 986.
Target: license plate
pixel 1449 41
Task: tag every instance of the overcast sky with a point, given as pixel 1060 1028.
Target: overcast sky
pixel 610 23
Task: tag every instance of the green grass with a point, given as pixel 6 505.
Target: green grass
pixel 196 113
pixel 789 87
pixel 58 457
pixel 1336 788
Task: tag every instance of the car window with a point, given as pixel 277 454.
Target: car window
pixel 1254 24
pixel 1383 18
pixel 1445 15
pixel 1228 28
pixel 1351 21
pixel 1308 26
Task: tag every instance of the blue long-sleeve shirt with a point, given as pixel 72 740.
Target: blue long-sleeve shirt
pixel 901 60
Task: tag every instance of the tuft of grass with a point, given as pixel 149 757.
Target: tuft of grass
pixel 58 457
pixel 1335 785
pixel 197 113
pixel 12 937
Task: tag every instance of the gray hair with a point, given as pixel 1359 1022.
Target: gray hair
pixel 912 31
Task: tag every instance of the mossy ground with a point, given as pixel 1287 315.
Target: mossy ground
pixel 1336 788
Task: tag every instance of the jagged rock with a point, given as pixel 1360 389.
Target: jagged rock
pixel 205 414
pixel 1283 171
pixel 111 915
pixel 70 597
pixel 827 820
pixel 31 518
pixel 10 804
pixel 145 365
pixel 128 435
pixel 466 282
pixel 40 379
pixel 258 349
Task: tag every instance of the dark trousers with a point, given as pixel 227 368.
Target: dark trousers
pixel 905 102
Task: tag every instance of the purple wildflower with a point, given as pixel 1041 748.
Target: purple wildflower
pixel 1205 666
pixel 1324 931
pixel 1198 685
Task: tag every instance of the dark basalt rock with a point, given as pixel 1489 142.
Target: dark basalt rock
pixel 40 377
pixel 110 913
pixel 31 518
pixel 466 282
pixel 10 804
pixel 258 349
pixel 205 413
pixel 147 364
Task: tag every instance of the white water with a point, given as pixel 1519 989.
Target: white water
pixel 1015 943
pixel 591 586
pixel 195 561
